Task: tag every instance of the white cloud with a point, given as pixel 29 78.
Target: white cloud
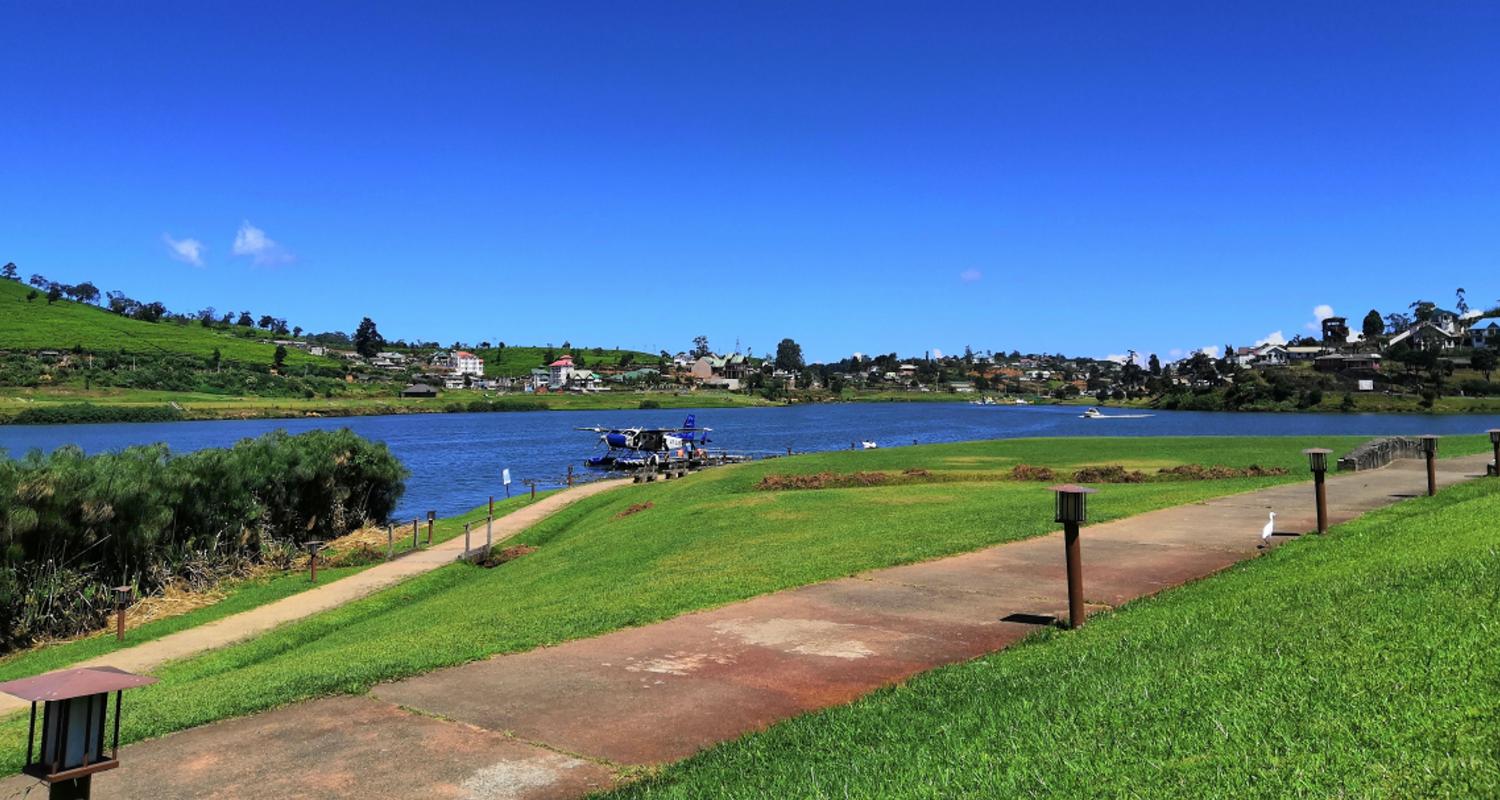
pixel 1274 337
pixel 1320 313
pixel 936 353
pixel 1212 351
pixel 1124 358
pixel 262 249
pixel 970 275
pixel 187 250
pixel 1175 353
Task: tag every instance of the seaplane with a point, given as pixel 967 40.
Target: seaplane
pixel 634 448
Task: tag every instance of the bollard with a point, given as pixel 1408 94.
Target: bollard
pixel 466 540
pixel 1072 510
pixel 122 599
pixel 570 476
pixel 390 541
pixel 788 449
pixel 533 491
pixel 1429 449
pixel 1317 460
pixel 413 534
pixel 492 505
pixel 312 560
pixel 431 517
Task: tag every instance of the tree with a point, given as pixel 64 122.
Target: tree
pixel 54 293
pixel 266 322
pixel 1423 310
pixel 700 346
pixel 1485 361
pixel 1463 301
pixel 789 356
pixel 297 330
pixel 9 271
pixel 1396 322
pixel 1155 365
pixel 1373 326
pixel 216 359
pixel 280 357
pixel 367 339
pixel 38 280
pixel 245 320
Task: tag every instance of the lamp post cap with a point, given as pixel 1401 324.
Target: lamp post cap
pixel 1315 450
pixel 122 588
pixel 69 683
pixel 1430 436
pixel 1072 488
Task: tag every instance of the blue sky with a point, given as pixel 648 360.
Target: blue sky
pixel 1061 177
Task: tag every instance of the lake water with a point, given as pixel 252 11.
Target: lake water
pixel 455 459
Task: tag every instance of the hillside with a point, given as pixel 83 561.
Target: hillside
pixel 63 325
pixel 519 361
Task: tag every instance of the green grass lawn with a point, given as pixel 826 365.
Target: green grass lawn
pixel 1361 664
pixel 371 400
pixel 38 325
pixel 707 540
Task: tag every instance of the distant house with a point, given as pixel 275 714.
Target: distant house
pixel 419 390
pixel 462 362
pixel 559 372
pixel 1270 355
pixel 1304 353
pixel 1427 336
pixel 961 387
pixel 453 381
pixel 1485 337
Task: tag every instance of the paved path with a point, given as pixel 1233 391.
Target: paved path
pixel 149 655
pixel 562 721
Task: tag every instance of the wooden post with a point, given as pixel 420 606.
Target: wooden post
pixel 489 533
pixel 413 534
pixel 431 517
pixel 570 476
pixel 466 540
pixel 390 541
pixel 492 505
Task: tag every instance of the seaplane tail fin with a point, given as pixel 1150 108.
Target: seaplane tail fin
pixel 689 423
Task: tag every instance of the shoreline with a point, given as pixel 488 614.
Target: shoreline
pixel 77 409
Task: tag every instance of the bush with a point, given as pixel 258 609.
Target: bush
pixel 75 413
pixel 73 525
pixel 647 405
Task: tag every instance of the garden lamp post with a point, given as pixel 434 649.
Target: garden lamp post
pixel 122 601
pixel 69 748
pixel 431 518
pixel 313 546
pixel 1429 450
pixel 1494 469
pixel 1317 460
pixel 1072 511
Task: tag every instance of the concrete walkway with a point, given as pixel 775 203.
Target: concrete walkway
pixel 563 721
pixel 149 655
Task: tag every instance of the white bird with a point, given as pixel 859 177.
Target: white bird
pixel 1270 528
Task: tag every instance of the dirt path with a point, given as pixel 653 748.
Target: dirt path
pixel 560 722
pixel 149 655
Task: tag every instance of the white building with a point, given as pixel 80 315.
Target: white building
pixel 462 362
pixel 560 372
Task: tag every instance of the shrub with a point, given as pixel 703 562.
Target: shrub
pixel 649 404
pixel 72 525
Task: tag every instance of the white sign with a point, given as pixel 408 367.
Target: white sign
pixel 1367 386
pixel 505 476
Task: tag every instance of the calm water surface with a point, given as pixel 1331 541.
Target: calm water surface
pixel 455 459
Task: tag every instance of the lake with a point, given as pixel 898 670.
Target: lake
pixel 455 459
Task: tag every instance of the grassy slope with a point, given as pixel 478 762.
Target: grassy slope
pixel 708 540
pixel 36 325
pixel 1362 664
